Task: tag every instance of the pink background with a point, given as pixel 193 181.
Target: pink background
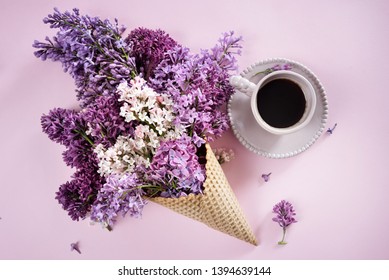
pixel 339 186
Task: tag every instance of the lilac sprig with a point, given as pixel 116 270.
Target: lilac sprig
pixel 225 52
pixel 284 217
pixel 91 50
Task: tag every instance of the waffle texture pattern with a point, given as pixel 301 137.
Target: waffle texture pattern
pixel 217 207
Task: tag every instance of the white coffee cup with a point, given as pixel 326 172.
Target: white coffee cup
pixel 252 90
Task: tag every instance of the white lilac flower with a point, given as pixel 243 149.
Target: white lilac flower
pixel 142 103
pixel 122 157
pixel 130 152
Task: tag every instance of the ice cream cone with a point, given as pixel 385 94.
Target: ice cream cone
pixel 217 207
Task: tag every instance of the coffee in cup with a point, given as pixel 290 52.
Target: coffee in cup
pixel 282 102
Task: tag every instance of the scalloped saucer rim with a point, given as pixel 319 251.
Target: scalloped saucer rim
pixel 258 140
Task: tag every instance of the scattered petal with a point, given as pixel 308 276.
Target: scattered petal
pixel 331 130
pixel 266 177
pixel 74 247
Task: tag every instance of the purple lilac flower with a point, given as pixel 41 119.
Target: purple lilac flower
pixel 120 194
pixel 199 85
pixel 78 195
pixel 79 155
pixel 176 168
pixel 77 130
pixel 104 121
pixel 56 124
pixel 284 217
pixel 89 183
pixel 90 49
pixel 68 128
pixel 148 48
pixel 69 198
pixel 224 53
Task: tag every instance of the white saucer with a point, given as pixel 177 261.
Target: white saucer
pixel 258 140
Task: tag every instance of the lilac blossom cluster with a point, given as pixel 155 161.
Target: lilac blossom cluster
pixel 147 107
pixel 68 127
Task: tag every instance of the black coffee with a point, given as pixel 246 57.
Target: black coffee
pixel 281 103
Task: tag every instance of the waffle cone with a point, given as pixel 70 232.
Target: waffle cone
pixel 217 207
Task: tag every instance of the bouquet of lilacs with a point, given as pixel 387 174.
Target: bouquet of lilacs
pixel 148 109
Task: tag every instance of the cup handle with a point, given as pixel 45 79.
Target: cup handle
pixel 243 85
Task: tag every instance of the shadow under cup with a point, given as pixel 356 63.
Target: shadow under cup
pixel 284 102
